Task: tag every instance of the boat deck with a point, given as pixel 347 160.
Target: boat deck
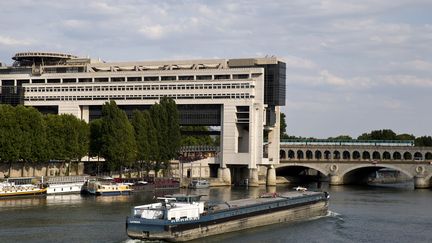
pixel 267 198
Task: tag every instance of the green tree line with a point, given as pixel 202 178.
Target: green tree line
pixel 147 141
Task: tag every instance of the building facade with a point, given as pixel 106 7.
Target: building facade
pixel 242 96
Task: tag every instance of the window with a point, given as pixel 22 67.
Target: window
pixel 101 80
pixel 168 78
pixel 204 77
pixel 134 79
pixel 117 79
pixel 84 80
pixel 38 81
pixel 240 76
pixel 224 76
pixel 69 80
pixel 190 77
pixel 152 78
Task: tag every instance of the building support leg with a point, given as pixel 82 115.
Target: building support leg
pixel 253 178
pixel 224 174
pixel 271 176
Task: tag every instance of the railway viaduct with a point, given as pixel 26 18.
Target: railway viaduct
pixel 351 162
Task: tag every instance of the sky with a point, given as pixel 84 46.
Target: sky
pixel 352 66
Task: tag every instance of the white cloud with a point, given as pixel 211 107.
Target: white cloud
pixel 298 62
pixel 407 80
pixel 9 41
pixel 153 32
pixel 328 78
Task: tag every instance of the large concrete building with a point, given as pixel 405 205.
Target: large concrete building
pixel 242 96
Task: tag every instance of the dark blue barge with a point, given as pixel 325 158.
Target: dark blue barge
pixel 181 218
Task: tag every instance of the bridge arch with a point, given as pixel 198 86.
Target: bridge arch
pixel 397 155
pixel 308 166
pixel 376 155
pixel 300 154
pixel 282 154
pixel 356 155
pixel 359 174
pixel 366 155
pixel 327 154
pixel 418 156
pixel 428 155
pixel 386 155
pixel 291 154
pixel 336 154
pixel 346 155
pixel 318 154
pixel 407 156
pixel 309 154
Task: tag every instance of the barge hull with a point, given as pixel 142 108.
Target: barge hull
pixel 293 214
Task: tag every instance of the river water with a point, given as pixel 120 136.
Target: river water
pixel 391 213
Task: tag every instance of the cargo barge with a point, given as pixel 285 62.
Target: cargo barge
pixel 179 218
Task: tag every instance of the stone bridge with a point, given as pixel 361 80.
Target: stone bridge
pixel 346 163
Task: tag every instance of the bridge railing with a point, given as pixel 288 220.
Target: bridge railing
pixel 396 143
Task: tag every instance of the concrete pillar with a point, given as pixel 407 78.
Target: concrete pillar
pixel 336 180
pixel 273 147
pixel 271 176
pixel 253 177
pixel 224 174
pixel 421 182
pixel 271 189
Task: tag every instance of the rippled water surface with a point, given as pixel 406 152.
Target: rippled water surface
pixel 392 213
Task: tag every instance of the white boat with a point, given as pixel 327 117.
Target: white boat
pixel 14 188
pixel 106 187
pixel 197 184
pixel 65 184
pixel 65 188
pixel 300 189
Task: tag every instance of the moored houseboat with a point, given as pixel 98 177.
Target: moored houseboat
pixel 20 187
pixel 105 188
pixel 64 184
pixel 180 218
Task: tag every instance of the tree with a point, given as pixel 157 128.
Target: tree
pixel 141 128
pixel 55 137
pixel 31 135
pixel 173 126
pixel 165 119
pixel 9 136
pixel 153 154
pixel 283 126
pixel 68 138
pixel 405 137
pixel 76 134
pixel 385 134
pixel 118 141
pixel 158 117
pixel 425 141
pixel 95 137
pixel 341 137
pixel 195 140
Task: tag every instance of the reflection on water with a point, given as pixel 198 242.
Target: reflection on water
pixel 21 202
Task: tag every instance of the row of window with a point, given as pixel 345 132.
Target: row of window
pixel 140 87
pixel 134 79
pixel 141 97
